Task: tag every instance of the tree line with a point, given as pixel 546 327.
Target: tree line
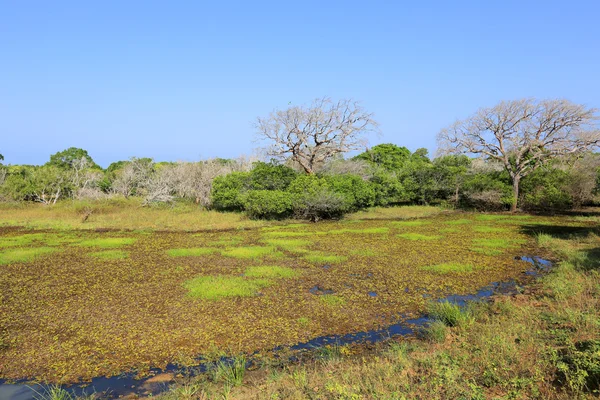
pixel 536 155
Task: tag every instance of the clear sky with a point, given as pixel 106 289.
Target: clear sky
pixel 177 80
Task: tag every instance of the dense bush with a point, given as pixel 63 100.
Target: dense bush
pixel 271 176
pixel 228 191
pixel 314 199
pixel 268 204
pixel 356 192
pixel 545 190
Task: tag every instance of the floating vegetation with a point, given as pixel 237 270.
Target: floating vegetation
pixel 332 300
pixel 359 231
pixel 271 271
pixel 192 252
pixel 486 251
pixel 458 222
pixel 110 255
pixel 107 243
pixel 488 229
pixel 219 287
pixel 364 252
pixel 446 268
pixel 291 245
pixel 496 243
pixel 317 257
pixel 418 236
pixel 252 252
pixel 411 223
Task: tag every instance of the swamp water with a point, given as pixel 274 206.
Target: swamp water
pixel 159 379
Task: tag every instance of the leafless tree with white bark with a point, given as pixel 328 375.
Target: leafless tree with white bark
pixel 311 135
pixel 524 135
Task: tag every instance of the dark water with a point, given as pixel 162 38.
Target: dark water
pixel 127 384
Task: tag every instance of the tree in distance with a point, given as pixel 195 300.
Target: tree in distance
pixel 311 135
pixel 524 135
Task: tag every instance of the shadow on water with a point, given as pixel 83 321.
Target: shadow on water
pixel 127 384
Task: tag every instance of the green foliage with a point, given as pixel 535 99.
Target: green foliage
pixel 332 300
pixel 579 366
pixel 268 204
pixel 544 189
pixel 64 159
pixel 387 155
pixel 271 176
pixel 228 191
pixel 321 258
pixel 356 192
pixel 220 286
pixel 42 184
pixel 315 200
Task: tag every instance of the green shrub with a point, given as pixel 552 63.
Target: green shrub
pixel 313 199
pixel 356 192
pixel 228 191
pixel 450 314
pixel 268 204
pixel 271 176
pixel 579 366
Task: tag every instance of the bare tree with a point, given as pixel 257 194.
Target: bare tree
pixel 311 135
pixel 134 177
pixel 524 135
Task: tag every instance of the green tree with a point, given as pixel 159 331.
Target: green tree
pixel 66 159
pixel 387 155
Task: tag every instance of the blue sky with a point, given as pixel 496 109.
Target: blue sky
pixel 186 80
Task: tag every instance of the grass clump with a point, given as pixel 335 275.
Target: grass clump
pixel 332 300
pixel 110 255
pixel 268 271
pixel 252 252
pixel 107 243
pixel 449 314
pixel 418 236
pixel 231 373
pixel 318 257
pixel 436 331
pixel 446 268
pixel 24 255
pixel 193 252
pixel 20 241
pixel 285 234
pixel 411 223
pixel 219 287
pixel 458 222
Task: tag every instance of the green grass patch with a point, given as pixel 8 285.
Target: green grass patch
pixel 271 271
pixel 446 268
pixel 496 243
pixel 226 241
pixel 107 243
pixel 20 241
pixel 410 223
pixel 486 251
pixel 488 229
pixel 24 255
pixel 110 255
pixel 292 245
pixel 318 257
pixel 332 300
pixel 219 287
pixel 192 252
pixel 359 231
pixel 252 252
pixel 279 234
pixel 491 217
pixel 458 222
pixel 418 236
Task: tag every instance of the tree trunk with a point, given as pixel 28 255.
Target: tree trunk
pixel 513 206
